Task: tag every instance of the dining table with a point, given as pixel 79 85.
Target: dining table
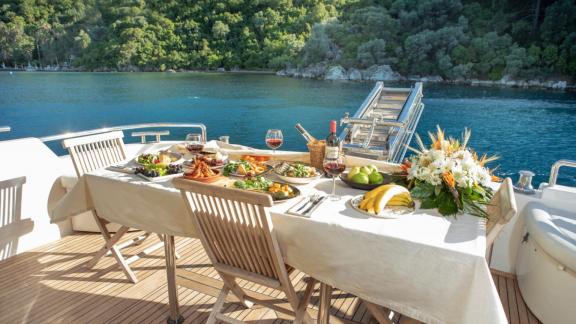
pixel 421 264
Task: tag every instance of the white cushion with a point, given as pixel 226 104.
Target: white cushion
pixel 554 230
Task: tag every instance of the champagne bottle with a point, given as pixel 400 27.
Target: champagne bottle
pixel 332 142
pixel 309 138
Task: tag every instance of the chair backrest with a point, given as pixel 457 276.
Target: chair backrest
pixel 94 152
pixel 501 209
pixel 10 213
pixel 235 227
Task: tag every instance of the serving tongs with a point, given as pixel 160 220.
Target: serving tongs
pixel 281 168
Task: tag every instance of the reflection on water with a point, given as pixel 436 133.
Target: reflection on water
pixel 529 129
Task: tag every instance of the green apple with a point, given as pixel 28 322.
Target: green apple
pixel 373 167
pixel 366 170
pixel 375 177
pixel 354 171
pixel 361 178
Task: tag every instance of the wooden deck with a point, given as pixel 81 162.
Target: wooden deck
pixel 50 284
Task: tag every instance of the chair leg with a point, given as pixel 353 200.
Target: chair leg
pixel 236 290
pixel 218 305
pixel 109 240
pixel 110 245
pixel 377 312
pixel 307 293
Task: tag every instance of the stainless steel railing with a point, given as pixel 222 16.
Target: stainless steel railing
pixel 58 137
pixel 556 167
pixel 4 129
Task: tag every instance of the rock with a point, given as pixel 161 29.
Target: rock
pixel 170 71
pixel 558 84
pixel 288 72
pixel 336 73
pixel 354 74
pixel 315 71
pixel 380 73
pixel 220 69
pixel 432 78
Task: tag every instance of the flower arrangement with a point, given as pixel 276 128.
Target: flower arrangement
pixel 450 176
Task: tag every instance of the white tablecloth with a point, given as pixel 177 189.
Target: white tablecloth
pixel 425 266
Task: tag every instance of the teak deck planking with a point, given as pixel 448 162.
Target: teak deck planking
pixel 52 284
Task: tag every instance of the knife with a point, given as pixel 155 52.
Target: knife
pixel 314 204
pixel 311 199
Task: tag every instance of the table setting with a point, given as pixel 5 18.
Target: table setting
pixel 368 227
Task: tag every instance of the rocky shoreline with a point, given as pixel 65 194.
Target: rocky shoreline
pixel 322 71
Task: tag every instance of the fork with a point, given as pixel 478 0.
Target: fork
pixel 313 199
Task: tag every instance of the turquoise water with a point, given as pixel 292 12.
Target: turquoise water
pixel 529 129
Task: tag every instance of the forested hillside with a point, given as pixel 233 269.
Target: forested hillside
pixel 450 38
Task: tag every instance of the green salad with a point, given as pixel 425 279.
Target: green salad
pixel 299 170
pixel 233 166
pixel 257 183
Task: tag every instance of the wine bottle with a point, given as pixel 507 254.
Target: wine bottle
pixel 309 138
pixel 332 143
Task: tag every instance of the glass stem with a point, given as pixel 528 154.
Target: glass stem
pixel 333 186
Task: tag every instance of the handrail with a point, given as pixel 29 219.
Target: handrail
pixel 5 129
pixel 556 167
pixel 122 128
pixel 410 113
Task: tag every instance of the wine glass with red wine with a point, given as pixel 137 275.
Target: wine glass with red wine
pixel 194 143
pixel 334 166
pixel 274 139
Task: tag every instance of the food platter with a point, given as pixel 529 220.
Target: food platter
pixel 208 179
pixel 198 170
pixel 215 160
pixel 279 191
pixel 245 168
pixel 298 173
pixel 162 157
pixel 387 178
pixel 388 212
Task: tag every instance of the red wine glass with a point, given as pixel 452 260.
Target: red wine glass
pixel 274 139
pixel 334 167
pixel 194 143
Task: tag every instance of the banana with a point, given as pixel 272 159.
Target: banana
pixel 375 192
pixel 385 196
pixel 364 203
pixel 403 199
pixel 377 199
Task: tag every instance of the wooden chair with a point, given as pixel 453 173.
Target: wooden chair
pixel 99 151
pixel 10 215
pixel 501 209
pixel 235 229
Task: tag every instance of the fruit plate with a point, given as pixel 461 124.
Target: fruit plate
pixel 387 178
pixel 388 212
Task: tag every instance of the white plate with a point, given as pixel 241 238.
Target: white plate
pixel 162 178
pixel 296 180
pixel 388 212
pixel 177 156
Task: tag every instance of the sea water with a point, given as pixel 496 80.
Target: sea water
pixel 528 129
